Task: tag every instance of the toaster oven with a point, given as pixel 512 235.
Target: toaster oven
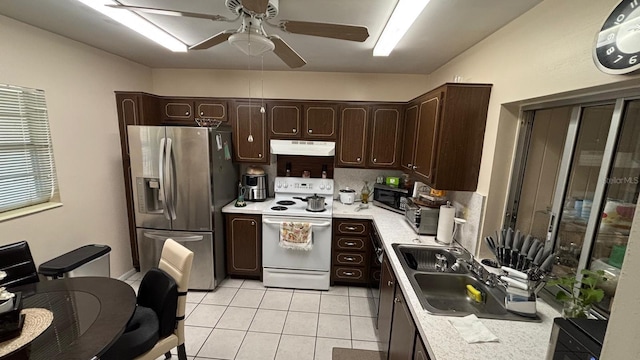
pixel 423 220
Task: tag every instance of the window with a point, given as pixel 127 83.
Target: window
pixel 27 169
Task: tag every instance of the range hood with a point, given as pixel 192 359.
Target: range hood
pixel 303 147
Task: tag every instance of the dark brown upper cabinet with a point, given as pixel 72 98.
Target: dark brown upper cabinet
pixel 320 121
pixel 211 109
pixel 352 138
pixel 285 120
pixel 448 137
pixel 177 111
pixel 311 121
pixel 386 136
pixel 247 121
pixel 409 135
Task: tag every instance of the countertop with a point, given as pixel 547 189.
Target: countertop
pixel 518 340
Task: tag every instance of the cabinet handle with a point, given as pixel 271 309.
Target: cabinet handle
pixel 201 113
pixel 349 259
pixel 409 166
pixel 253 223
pixel 414 167
pixel 358 159
pixel 310 131
pixel 389 283
pixel 350 243
pixel 259 155
pixel 396 300
pixel 374 160
pixel 348 273
pixel 294 131
pixel 186 113
pixel 350 228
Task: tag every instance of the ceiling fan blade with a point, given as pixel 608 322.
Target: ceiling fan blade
pixel 149 10
pixel 256 6
pixel 335 31
pixel 212 41
pixel 286 53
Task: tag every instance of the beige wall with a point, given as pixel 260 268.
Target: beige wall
pixel 289 84
pixel 78 82
pixel 546 51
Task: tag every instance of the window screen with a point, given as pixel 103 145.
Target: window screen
pixel 27 170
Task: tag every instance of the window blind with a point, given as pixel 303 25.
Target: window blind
pixel 27 170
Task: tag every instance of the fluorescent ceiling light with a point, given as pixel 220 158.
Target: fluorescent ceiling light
pixel 401 19
pixel 136 23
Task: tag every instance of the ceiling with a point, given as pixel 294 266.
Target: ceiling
pixel 445 29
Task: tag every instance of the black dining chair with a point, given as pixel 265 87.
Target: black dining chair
pixel 17 262
pixel 157 325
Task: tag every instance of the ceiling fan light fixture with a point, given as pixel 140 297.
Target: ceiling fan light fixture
pixel 403 16
pixel 253 44
pixel 136 23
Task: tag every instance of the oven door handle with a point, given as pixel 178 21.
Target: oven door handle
pixel 280 222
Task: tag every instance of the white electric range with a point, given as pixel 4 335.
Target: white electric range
pixel 297 269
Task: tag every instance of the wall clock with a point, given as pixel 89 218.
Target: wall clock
pixel 617 46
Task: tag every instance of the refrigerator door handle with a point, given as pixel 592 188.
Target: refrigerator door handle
pixel 171 183
pixel 165 198
pixel 151 235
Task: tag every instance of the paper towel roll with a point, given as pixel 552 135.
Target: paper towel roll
pixel 445 224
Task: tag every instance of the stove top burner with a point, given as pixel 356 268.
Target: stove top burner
pixel 316 211
pixel 286 202
pixel 279 208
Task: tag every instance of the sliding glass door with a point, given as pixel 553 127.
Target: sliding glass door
pixel 576 185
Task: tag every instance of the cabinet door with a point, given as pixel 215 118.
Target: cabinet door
pixel 409 137
pixel 352 141
pixel 403 331
pixel 385 308
pixel 212 109
pixel 244 245
pixel 320 122
pixel 285 120
pixel 426 137
pixel 385 139
pixel 420 351
pixel 177 111
pixel 249 133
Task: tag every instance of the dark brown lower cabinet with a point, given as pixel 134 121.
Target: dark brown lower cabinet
pixel 244 245
pixel 403 331
pixel 420 351
pixel 385 310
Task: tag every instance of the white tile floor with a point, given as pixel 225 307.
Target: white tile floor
pixel 242 319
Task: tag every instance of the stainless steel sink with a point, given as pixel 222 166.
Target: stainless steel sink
pixel 445 292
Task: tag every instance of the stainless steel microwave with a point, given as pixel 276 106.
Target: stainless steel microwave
pixel 390 198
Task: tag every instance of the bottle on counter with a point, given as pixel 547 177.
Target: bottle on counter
pixel 364 193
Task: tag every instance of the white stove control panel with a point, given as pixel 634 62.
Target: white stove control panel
pixel 295 185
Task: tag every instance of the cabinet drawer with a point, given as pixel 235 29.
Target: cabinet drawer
pixel 351 259
pixel 351 243
pixel 352 227
pixel 349 274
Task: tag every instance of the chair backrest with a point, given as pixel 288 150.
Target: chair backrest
pixel 17 262
pixel 159 292
pixel 176 260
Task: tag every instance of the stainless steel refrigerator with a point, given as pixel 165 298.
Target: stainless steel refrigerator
pixel 182 177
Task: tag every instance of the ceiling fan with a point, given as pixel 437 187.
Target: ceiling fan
pixel 251 37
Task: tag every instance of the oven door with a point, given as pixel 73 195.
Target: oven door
pixel 316 259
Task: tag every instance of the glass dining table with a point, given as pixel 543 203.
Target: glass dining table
pixel 89 314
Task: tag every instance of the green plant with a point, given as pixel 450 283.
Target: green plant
pixel 577 303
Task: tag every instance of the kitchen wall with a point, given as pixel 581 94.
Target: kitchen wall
pixel 545 51
pixel 78 81
pixel 546 54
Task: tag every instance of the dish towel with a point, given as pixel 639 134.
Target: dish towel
pixel 295 236
pixel 473 330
